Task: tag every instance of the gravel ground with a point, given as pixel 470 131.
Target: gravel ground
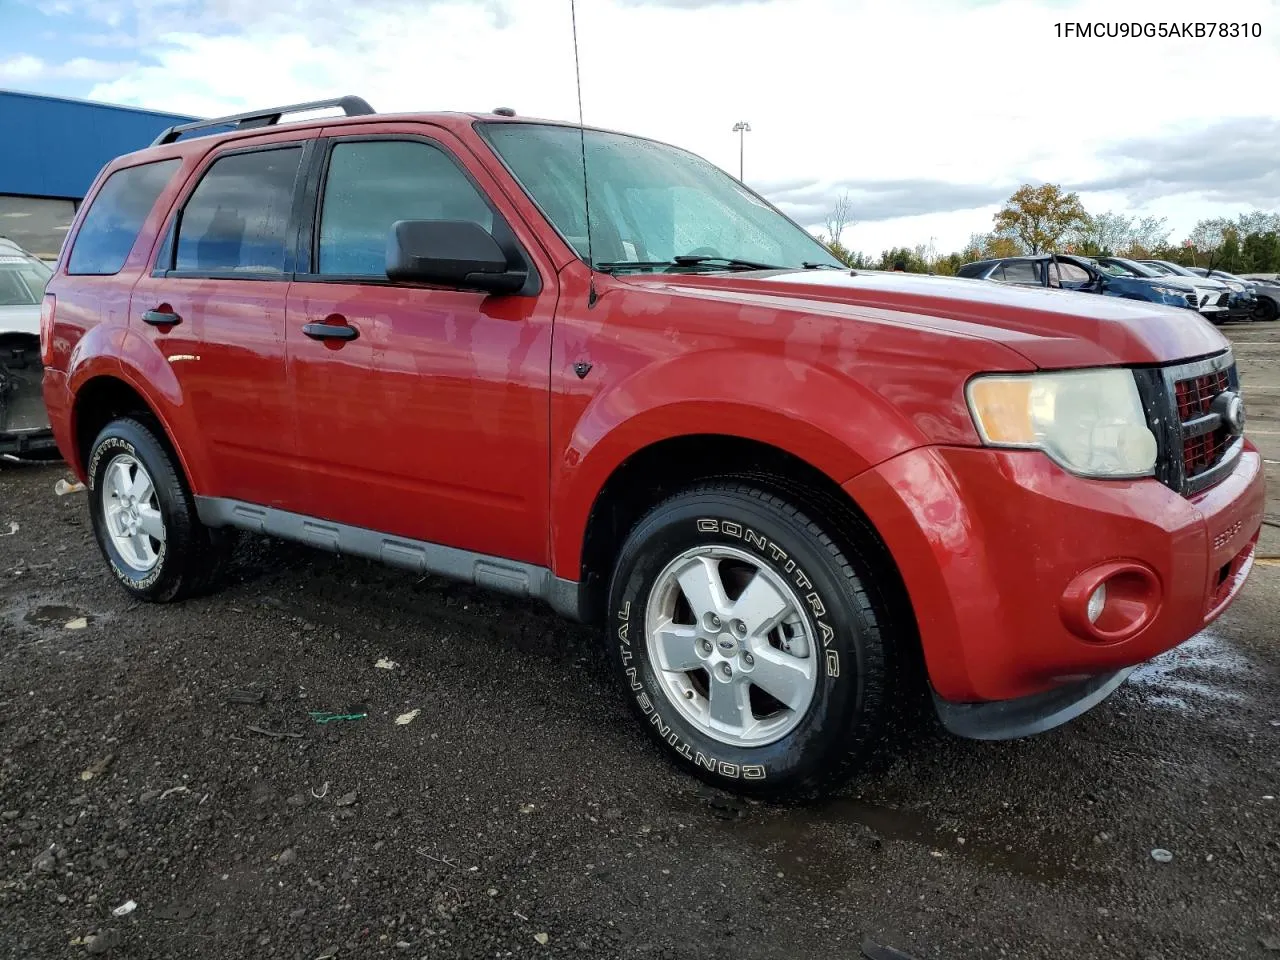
pixel 520 812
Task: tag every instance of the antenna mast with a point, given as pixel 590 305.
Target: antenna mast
pixel 582 140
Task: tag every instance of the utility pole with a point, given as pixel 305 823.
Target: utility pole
pixel 741 128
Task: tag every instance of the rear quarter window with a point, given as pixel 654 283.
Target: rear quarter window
pixel 115 217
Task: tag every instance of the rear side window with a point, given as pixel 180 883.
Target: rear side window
pixel 237 219
pixel 115 217
pixel 372 184
pixel 1021 271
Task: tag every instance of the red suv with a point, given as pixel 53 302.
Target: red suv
pixel 791 493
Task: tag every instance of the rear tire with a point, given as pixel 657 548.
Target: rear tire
pixel 783 684
pixel 144 516
pixel 1266 310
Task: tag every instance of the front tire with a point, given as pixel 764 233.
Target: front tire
pixel 748 643
pixel 144 516
pixel 1265 310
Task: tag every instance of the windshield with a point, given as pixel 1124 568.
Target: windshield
pixel 1178 271
pixel 22 281
pixel 650 203
pixel 1133 268
pixel 1159 269
pixel 1113 269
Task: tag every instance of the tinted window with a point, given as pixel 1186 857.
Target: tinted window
pixel 237 218
pixel 1021 271
pixel 1071 273
pixel 114 218
pixel 373 184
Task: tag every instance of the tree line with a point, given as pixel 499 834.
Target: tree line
pixel 1044 218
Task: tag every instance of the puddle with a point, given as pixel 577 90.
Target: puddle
pixel 824 847
pixel 54 615
pixel 1202 669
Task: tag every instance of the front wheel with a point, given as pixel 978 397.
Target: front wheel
pixel 1266 310
pixel 747 642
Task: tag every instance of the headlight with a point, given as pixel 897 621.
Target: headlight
pixel 1170 291
pixel 1089 421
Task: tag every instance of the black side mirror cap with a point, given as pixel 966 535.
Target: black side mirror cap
pixel 452 253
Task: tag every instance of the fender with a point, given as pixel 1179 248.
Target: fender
pixel 116 351
pixel 830 421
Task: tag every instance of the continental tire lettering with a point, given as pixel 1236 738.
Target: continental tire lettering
pixel 664 730
pixel 731 528
pixel 645 703
pixel 708 762
pixel 756 539
pixel 729 770
pixel 803 582
pixel 632 681
pixel 833 664
pixel 708 526
pixel 815 604
pixel 684 750
pixel 627 656
pixel 778 553
pixel 625 612
pixel 752 771
pixel 622 632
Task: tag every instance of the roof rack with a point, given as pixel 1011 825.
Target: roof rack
pixel 351 106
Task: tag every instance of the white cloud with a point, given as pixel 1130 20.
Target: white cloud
pixel 934 108
pixel 25 68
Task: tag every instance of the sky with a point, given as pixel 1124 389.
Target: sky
pixel 926 113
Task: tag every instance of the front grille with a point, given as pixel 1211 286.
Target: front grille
pixel 1196 447
pixel 1224 299
pixel 1195 394
pixel 1193 301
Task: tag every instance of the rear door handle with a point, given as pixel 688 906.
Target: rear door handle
pixel 161 318
pixel 330 331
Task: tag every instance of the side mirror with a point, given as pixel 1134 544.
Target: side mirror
pixel 452 253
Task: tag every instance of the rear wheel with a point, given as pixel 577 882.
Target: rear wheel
pixel 747 642
pixel 144 516
pixel 1266 310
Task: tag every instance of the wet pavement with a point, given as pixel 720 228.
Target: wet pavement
pixel 170 756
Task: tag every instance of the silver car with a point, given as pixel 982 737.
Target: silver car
pixel 24 423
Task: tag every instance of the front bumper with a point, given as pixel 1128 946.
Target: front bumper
pixel 993 545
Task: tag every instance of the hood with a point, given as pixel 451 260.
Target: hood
pixel 1053 329
pixel 20 319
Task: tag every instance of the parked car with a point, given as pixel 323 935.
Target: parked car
pixel 24 424
pixel 1265 296
pixel 1239 305
pixel 794 497
pixel 1086 275
pixel 1265 278
pixel 1212 297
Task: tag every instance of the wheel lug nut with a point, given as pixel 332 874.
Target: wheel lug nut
pixel 739 628
pixel 715 621
pixel 748 659
pixel 706 645
pixel 726 670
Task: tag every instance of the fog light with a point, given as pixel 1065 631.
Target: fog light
pixel 1097 600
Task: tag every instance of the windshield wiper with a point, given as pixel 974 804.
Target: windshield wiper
pixel 698 259
pixel 611 265
pixel 810 265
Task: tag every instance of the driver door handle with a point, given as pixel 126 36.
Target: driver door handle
pixel 161 318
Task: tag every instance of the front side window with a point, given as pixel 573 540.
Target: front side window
pixel 650 203
pixel 237 219
pixel 115 217
pixel 373 183
pixel 22 280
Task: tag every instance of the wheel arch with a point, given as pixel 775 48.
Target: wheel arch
pixel 106 396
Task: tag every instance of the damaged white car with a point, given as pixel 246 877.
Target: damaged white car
pixel 24 423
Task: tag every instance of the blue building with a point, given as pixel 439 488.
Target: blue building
pixel 51 148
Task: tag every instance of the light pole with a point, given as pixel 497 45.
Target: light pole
pixel 741 128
